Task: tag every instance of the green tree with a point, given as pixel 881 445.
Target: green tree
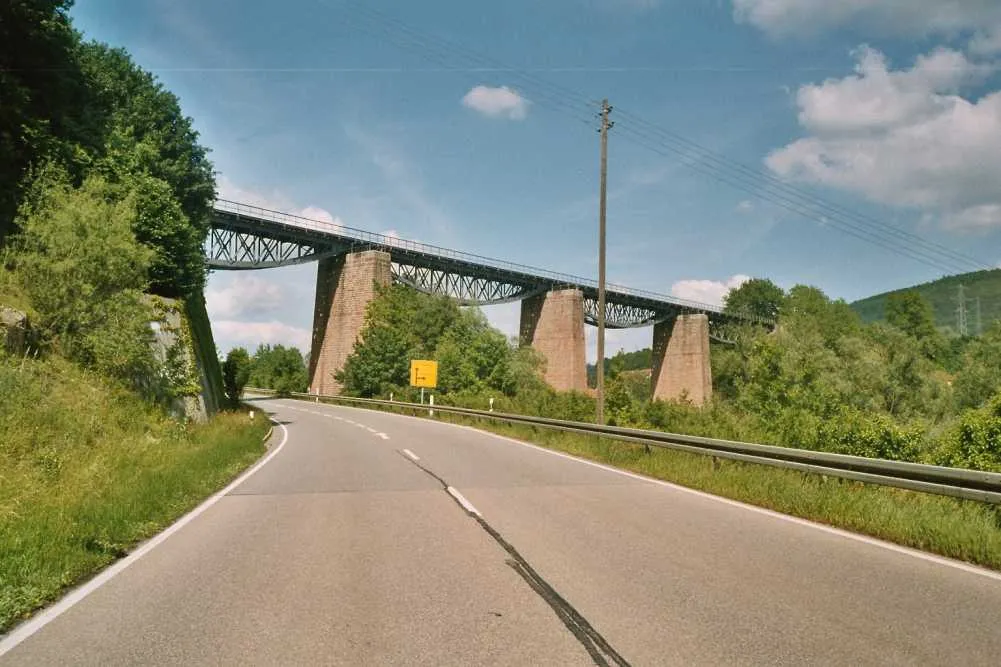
pixel 43 111
pixel 758 297
pixel 280 368
pixel 236 373
pixel 85 274
pixel 979 376
pixel 151 148
pixel 911 313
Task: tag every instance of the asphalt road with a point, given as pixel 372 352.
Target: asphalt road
pixel 372 539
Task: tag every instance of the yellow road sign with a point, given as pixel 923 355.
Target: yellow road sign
pixel 423 373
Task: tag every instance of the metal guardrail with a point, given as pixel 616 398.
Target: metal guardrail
pixel 956 482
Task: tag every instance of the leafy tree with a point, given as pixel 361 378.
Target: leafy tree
pixel 758 297
pixel 280 368
pixel 236 373
pixel 43 110
pixel 911 313
pixel 808 308
pixel 150 147
pixel 85 273
pixel 979 377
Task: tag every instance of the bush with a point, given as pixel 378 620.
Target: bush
pixel 975 441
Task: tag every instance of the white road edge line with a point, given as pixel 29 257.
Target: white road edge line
pixel 383 436
pixel 865 539
pixel 466 505
pixel 30 627
pixel 410 454
pixel 370 429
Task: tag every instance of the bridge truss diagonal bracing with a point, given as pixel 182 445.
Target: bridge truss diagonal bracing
pixel 235 250
pixel 467 290
pixel 245 237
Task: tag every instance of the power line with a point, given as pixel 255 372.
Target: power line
pixel 694 156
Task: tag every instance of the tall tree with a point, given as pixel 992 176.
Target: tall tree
pixel 236 373
pixel 758 297
pixel 152 149
pixel 43 110
pixel 911 313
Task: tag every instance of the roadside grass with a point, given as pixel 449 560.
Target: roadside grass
pixel 88 470
pixel 960 529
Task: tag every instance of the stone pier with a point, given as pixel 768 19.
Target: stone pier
pixel 553 324
pixel 344 287
pixel 681 359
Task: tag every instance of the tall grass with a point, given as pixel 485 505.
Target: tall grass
pixel 87 470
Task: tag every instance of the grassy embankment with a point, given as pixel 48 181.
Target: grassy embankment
pixel 964 530
pixel 87 471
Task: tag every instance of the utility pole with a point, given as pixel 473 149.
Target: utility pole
pixel 979 327
pixel 606 125
pixel 961 313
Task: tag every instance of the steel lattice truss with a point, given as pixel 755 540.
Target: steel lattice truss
pixel 230 249
pixel 621 316
pixel 466 289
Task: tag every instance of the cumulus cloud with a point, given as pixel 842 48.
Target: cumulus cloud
pixel 502 102
pixel 707 291
pixel 903 137
pixel 274 201
pixel 235 333
pixel 246 295
pixel 907 17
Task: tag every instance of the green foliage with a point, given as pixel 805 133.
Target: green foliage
pixel 88 110
pixel 84 272
pixel 979 376
pixel 280 368
pixel 974 440
pixel 151 148
pixel 43 111
pixel 758 297
pixel 912 314
pixel 403 324
pixel 236 373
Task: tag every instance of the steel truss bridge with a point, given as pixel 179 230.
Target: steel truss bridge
pixel 245 237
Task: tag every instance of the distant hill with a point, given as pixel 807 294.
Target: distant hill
pixel 943 294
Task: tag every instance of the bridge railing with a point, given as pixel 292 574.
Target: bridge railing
pixel 301 222
pixel 956 482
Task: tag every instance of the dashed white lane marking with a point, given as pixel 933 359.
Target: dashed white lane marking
pixel 410 453
pixel 383 436
pixel 855 537
pixel 361 425
pixel 29 628
pixel 370 429
pixel 466 505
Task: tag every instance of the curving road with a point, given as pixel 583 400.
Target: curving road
pixel 373 539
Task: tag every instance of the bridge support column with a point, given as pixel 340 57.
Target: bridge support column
pixel 553 324
pixel 344 287
pixel 681 359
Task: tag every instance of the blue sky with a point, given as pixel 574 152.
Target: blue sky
pixel 887 107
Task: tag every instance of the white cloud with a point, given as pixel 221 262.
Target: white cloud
pixel 904 138
pixel 245 295
pixel 234 333
pixel 274 201
pixel 501 102
pixel 907 17
pixel 745 206
pixel 707 291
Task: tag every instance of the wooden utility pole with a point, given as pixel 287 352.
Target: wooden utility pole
pixel 606 125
